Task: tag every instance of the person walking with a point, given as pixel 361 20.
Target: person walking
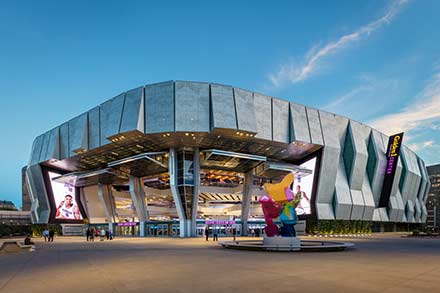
pixel 51 234
pixel 101 238
pixel 46 235
pixel 92 235
pixel 234 232
pixel 215 237
pixel 207 233
pixel 88 232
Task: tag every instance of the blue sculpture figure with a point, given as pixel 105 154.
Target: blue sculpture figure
pixel 289 218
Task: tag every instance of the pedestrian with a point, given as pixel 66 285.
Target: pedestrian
pixel 110 233
pixel 92 235
pixel 234 231
pixel 46 235
pixel 101 238
pixel 51 234
pixel 257 232
pixel 27 240
pixel 88 232
pixel 107 234
pixel 207 233
pixel 215 237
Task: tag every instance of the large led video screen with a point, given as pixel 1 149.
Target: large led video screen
pixel 304 185
pixel 64 196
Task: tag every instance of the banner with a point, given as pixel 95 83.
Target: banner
pixel 393 152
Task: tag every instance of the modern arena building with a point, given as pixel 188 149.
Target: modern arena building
pixel 170 158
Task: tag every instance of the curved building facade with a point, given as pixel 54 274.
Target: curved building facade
pixel 192 151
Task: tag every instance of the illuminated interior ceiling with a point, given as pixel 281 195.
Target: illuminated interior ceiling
pixel 104 176
pixel 135 143
pixel 231 161
pixel 277 170
pixel 143 164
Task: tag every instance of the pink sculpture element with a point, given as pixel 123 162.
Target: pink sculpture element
pixel 289 194
pixel 271 210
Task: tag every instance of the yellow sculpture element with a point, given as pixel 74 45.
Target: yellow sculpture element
pixel 278 190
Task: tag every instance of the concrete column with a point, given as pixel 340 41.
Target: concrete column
pixel 110 227
pixel 106 198
pixel 246 202
pixel 138 197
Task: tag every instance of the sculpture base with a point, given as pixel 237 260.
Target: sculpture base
pixel 280 243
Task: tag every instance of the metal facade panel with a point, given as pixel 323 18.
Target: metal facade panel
pixel 316 133
pixel 393 209
pixel 418 211
pixel 280 120
pixel 223 108
pixel 244 107
pixel 44 146
pixel 357 211
pixel 133 113
pixel 368 199
pixel 53 145
pixel 95 209
pixel 343 202
pixel 401 206
pixel 38 190
pixel 410 211
pixel 330 154
pixel 192 106
pixel 64 141
pixel 379 168
pixel 36 150
pixel 78 134
pixel 110 117
pixel 94 128
pixel 159 107
pixel 359 136
pixel 299 123
pixel 263 116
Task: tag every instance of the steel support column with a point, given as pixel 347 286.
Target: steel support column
pixel 184 168
pixel 137 194
pixel 246 202
pixel 106 198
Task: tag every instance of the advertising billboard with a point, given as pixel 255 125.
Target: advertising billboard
pixel 65 199
pixel 305 186
pixel 393 152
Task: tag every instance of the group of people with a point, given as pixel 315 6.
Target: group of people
pixel 48 235
pixel 91 233
pixel 215 233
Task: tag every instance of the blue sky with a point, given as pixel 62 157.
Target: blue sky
pixel 374 61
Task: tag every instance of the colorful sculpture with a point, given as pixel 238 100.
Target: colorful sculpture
pixel 280 202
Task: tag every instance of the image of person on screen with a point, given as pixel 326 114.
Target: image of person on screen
pixel 304 205
pixel 67 209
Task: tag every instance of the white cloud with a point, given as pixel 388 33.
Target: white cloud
pixel 293 73
pixel 422 112
pixel 422 145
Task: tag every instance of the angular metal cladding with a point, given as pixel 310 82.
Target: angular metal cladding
pixel 299 124
pixel 78 134
pixel 159 107
pixel 263 116
pixel 133 112
pixel 192 106
pixel 110 118
pixel 223 107
pixel 245 109
pixel 280 121
pixel 94 128
pixel 330 155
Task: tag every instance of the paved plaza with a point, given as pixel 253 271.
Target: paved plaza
pixel 380 263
